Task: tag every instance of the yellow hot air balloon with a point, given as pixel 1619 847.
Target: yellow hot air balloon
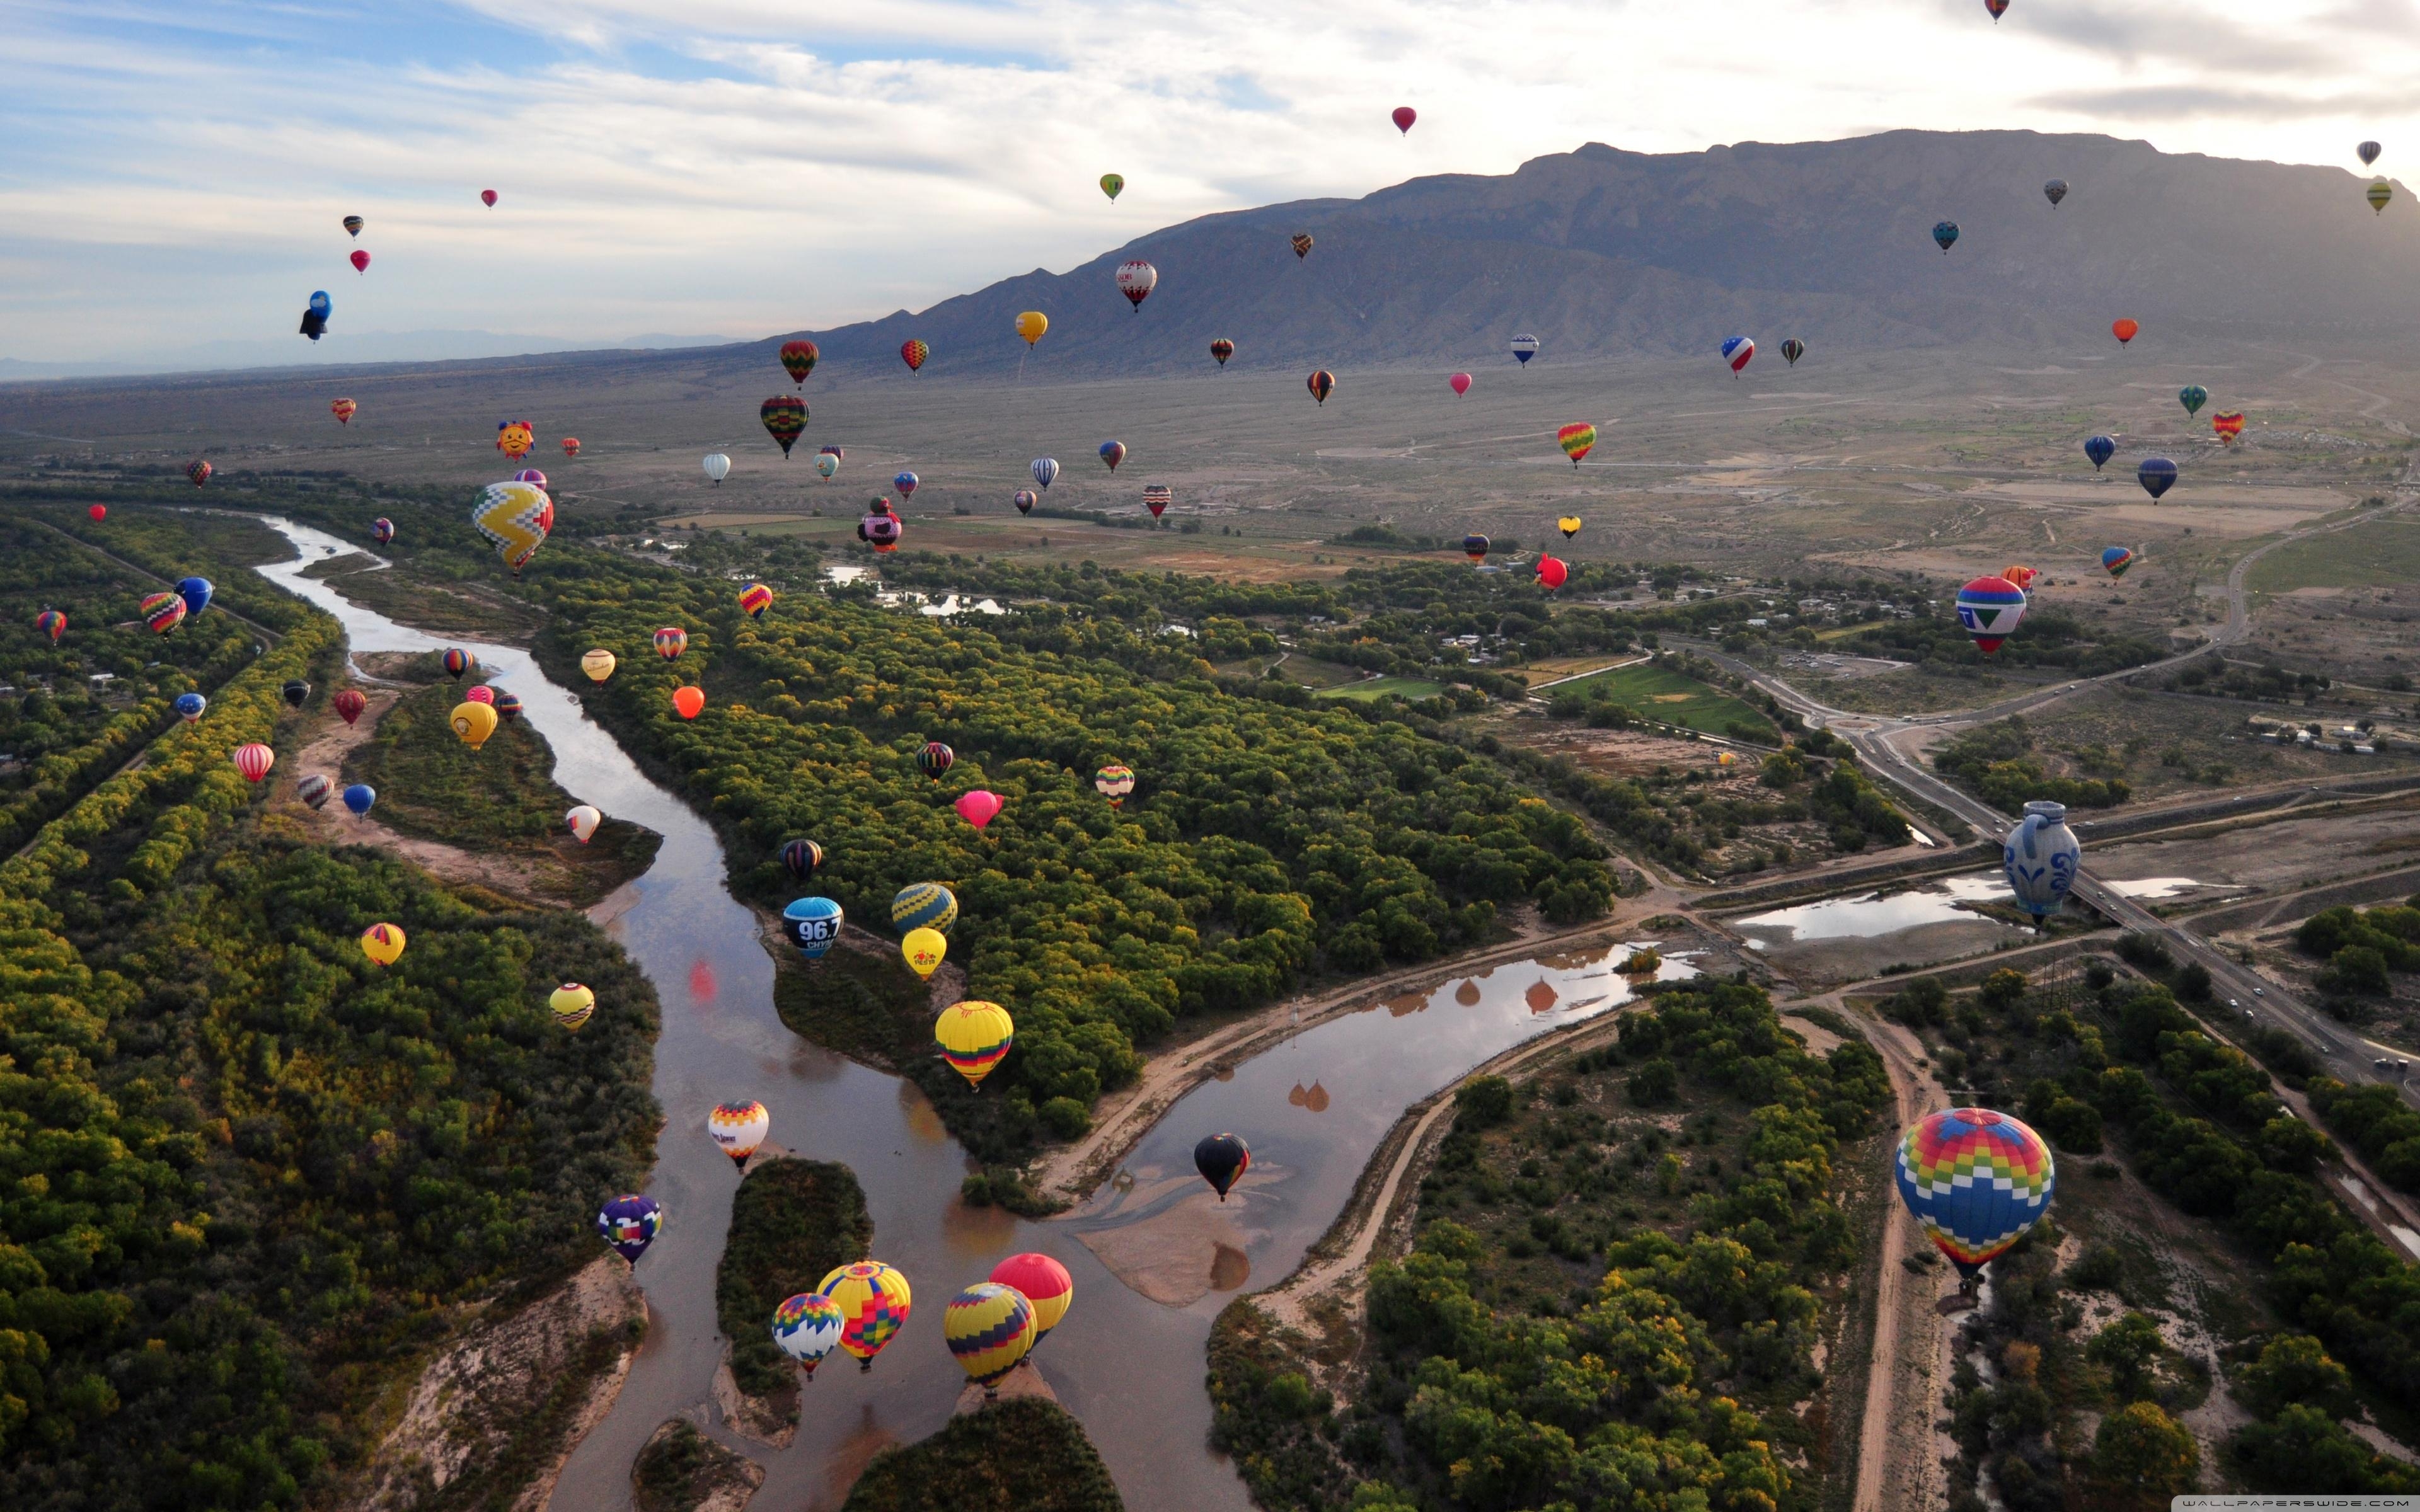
pixel 474 722
pixel 572 1004
pixel 598 664
pixel 1030 325
pixel 975 1037
pixel 924 949
pixel 873 1300
pixel 1569 525
pixel 382 943
pixel 2378 194
pixel 989 1328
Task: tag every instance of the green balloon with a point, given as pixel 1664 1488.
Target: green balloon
pixel 1111 183
pixel 2193 397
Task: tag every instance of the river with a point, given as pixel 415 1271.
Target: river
pixel 1130 1367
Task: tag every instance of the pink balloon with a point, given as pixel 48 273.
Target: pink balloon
pixel 1461 382
pixel 979 807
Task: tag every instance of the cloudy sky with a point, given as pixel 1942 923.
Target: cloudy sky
pixel 174 174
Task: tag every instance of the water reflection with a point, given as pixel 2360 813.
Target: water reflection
pixel 1876 914
pixel 1467 995
pixel 1541 997
pixel 1313 1098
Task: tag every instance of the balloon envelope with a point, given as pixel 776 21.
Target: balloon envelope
pixel 827 464
pixel 906 483
pixel 1221 349
pixel 1524 348
pixel 296 691
pixel 2040 857
pixel 1404 116
pixel 571 1004
pixel 517 518
pixel 1944 235
pixel 923 905
pixel 360 796
pixel 1135 280
pixel 457 661
pixel 1569 525
pixel 1044 470
pixel 53 623
pixel 2101 449
pixel 196 592
pixel 1046 1284
pixel 934 758
pixel 1113 453
pixel 975 1037
pixel 717 466
pixel 989 1328
pixel 630 1224
pixel 688 701
pixel 1222 1160
pixel 1321 384
pixel 1576 440
pixel 313 790
pixel 755 599
pixel 383 943
pixel 785 417
pixel 737 1128
pixel 163 613
pixel 923 949
pixel 1111 183
pixel 598 664
pixel 582 822
pixel 253 760
pixel 1032 325
pixel 1459 383
pixel 1990 607
pixel 1553 572
pixel 2054 191
pixel 802 856
pixel 2157 475
pixel 2116 559
pixel 2124 330
pixel 1793 350
pixel 2368 153
pixel 480 693
pixel 814 925
pixel 1114 782
pixel 798 358
pixel 806 1328
pixel 192 706
pixel 913 353
pixel 1975 1181
pixel 874 1302
pixel 979 807
pixel 1737 351
pixel 474 723
pixel 1476 547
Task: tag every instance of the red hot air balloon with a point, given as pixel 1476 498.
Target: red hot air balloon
pixel 1406 115
pixel 980 807
pixel 913 353
pixel 99 513
pixel 799 358
pixel 1221 349
pixel 348 705
pixel 487 198
pixel 571 446
pixel 1997 9
pixel 2124 330
pixel 198 470
pixel 1552 573
pixel 361 261
pixel 253 761
pixel 1459 383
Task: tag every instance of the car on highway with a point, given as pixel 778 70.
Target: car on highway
pixel 2259 992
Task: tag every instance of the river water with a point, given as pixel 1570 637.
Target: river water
pixel 1130 1367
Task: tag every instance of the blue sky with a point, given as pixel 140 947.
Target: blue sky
pixel 174 173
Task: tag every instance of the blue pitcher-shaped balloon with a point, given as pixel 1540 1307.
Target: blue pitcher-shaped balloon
pixel 2040 857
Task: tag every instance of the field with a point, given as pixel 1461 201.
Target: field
pixel 1378 687
pixel 1661 694
pixel 2383 553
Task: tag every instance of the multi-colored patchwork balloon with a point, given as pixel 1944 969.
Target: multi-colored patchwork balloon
pixel 1114 782
pixel 913 353
pixel 1221 349
pixel 1975 1181
pixel 874 1302
pixel 785 419
pixel 798 360
pixel 934 759
pixel 806 1328
pixel 52 623
pixel 517 518
pixel 630 1223
pixel 737 1128
pixel 1990 607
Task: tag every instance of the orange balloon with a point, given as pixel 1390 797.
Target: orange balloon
pixel 689 700
pixel 2124 330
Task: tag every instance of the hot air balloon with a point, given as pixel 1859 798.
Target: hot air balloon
pixel 359 798
pixel 989 1328
pixel 1576 440
pixel 1975 1180
pixel 344 410
pixel 805 1328
pixel 571 1004
pixel 923 950
pixel 2378 193
pixel 2040 857
pixel 979 807
pixel 1112 453
pixel 1569 525
pixel 99 513
pixel 571 446
pixel 830 451
pixel 717 467
pixel 1046 1284
pixel 598 663
pixel 50 623
pixel 2101 449
pixel 737 1128
pixel 1113 782
pixel 906 483
pixel 1552 573
pixel 798 360
pixel 2115 559
pixel 361 261
pixel 2228 425
pixel 480 693
pixel 755 599
pixel 933 758
pixel 313 790
pixel 975 1037
pixel 785 419
pixel 1736 352
pixel 2367 152
pixel 689 702
pixel 1403 117
pixel 296 691
pixel 163 613
pixel 2022 576
pixel 1024 498
pixel 192 706
pixel 517 517
pixel 1111 183
pixel 879 528
pixel 1475 546
pixel 382 529
pixel 1945 233
pixel 2124 329
pixel 196 592
pixel 671 642
pixel 473 723
pixel 1302 243
pixel 1459 383
pixel 1990 609
pixel 1221 1159
pixel 487 198
pixel 508 707
pixel 1793 350
pixel 353 224
pixel 1321 384
pixel 457 661
pixel 2054 191
pixel 630 1223
pixel 814 925
pixel 583 821
pixel 913 353
pixel 827 464
pixel 1524 348
pixel 2157 475
pixel 923 905
pixel 1045 469
pixel 2193 397
pixel 1156 497
pixel 874 1300
pixel 1032 325
pixel 1135 280
pixel 199 472
pixel 1221 349
pixel 1997 8
pixel 382 943
pixel 514 437
pixel 316 315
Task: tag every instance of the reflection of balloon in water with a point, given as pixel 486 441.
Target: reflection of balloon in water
pixel 2101 449
pixel 1737 352
pixel 253 760
pixel 737 1128
pixel 1113 782
pixel 1222 1160
pixel 671 642
pixel 1321 384
pixel 163 613
pixel 474 723
pixel 975 1037
pixel 192 706
pixel 571 1004
pixel 517 517
pixel 923 951
pixel 2157 475
pixel 1945 236
pixel 802 856
pixel 359 798
pixel 1111 183
pixel 2116 559
pixel 2040 857
pixel 874 1302
pixel 1475 546
pixel 382 943
pixel 598 663
pixel 1044 470
pixel 1221 349
pixel 1975 1180
pixel 2193 397
pixel 1459 383
pixel 582 820
pixel 1046 1284
pixel 923 905
pixel 933 758
pixel 1524 348
pixel 630 1224
pixel 688 701
pixel 1576 440
pixel 1990 609
pixel 979 807
pixel 805 1328
pixel 989 1328
pixel 798 358
pixel 1024 498
pixel 2054 191
pixel 2124 329
pixel 814 925
pixel 1569 525
pixel 717 467
pixel 313 790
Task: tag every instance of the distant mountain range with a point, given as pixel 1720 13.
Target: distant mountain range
pixel 339 350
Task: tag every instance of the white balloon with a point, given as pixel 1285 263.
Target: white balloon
pixel 583 821
pixel 717 467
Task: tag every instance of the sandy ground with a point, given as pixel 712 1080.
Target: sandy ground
pixel 1025 1380
pixel 1820 964
pixel 2272 858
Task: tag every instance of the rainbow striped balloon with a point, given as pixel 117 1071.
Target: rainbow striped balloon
pixel 755 598
pixel 975 1037
pixel 1976 1181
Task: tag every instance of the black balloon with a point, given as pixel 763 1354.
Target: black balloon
pixel 802 856
pixel 1221 1159
pixel 296 691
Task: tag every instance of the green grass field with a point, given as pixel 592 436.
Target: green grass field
pixel 2383 553
pixel 1378 687
pixel 1658 693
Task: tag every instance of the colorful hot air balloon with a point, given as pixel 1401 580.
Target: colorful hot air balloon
pixel 1524 348
pixel 163 613
pixel 361 261
pixel 2054 191
pixel 1569 525
pixel 473 723
pixel 2157 475
pixel 199 472
pixel 975 1037
pixel 50 623
pixel 671 642
pixel 923 905
pixel 716 466
pixel 1576 440
pixel 1033 325
pixel 1459 383
pixel 2040 857
pixel 805 1328
pixel 1997 8
pixel 353 224
pixel 2367 152
pixel 381 531
pixel 316 315
pixel 1222 1158
pixel 480 693
pixel 906 483
pixel 196 592
pixel 979 807
pixel 1157 497
pixel 2379 194
pixel 315 790
pixel 830 451
pixel 344 410
pixel 2193 397
pixel 1975 1181
pixel 359 798
pixel 457 661
pixel 1221 349
pixel 514 437
pixel 2100 449
pixel 1135 280
pixel 923 950
pixel 508 707
pixel 487 198
pixel 192 706
pixel 598 663
pixel 296 692
pixel 383 943
pixel 814 924
pixel 2124 329
pixel 1475 546
pixel 1111 183
pixel 583 821
pixel 571 1004
pixel 785 419
pixel 798 360
pixel 1302 244
pixel 630 1223
pixel 1046 1284
pixel 737 1128
pixel 689 702
pixel 1793 350
pixel 913 353
pixel 1990 609
pixel 874 1302
pixel 1112 453
pixel 2115 559
pixel 827 464
pixel 1045 469
pixel 989 1328
pixel 755 599
pixel 517 517
pixel 1552 573
pixel 1945 233
pixel 1403 117
pixel 2228 425
pixel 934 758
pixel 879 528
pixel 1024 498
pixel 1113 782
pixel 1736 352
pixel 2021 575
pixel 98 513
pixel 1321 384
pixel 571 446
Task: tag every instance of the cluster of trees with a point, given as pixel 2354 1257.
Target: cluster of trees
pixel 2360 946
pixel 1992 763
pixel 792 1223
pixel 2048 638
pixel 2216 677
pixel 1021 1455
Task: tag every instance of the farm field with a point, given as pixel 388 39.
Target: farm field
pixel 1660 693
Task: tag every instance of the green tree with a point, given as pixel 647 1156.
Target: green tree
pixel 2142 1458
pixel 2128 1349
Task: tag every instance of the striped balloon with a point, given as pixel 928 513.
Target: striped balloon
pixel 805 1328
pixel 1989 608
pixel 975 1037
pixel 1975 1180
pixel 1321 384
pixel 1576 441
pixel 923 905
pixel 253 760
pixel 755 599
pixel 164 612
pixel 2116 559
pixel 1736 352
pixel 989 1327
